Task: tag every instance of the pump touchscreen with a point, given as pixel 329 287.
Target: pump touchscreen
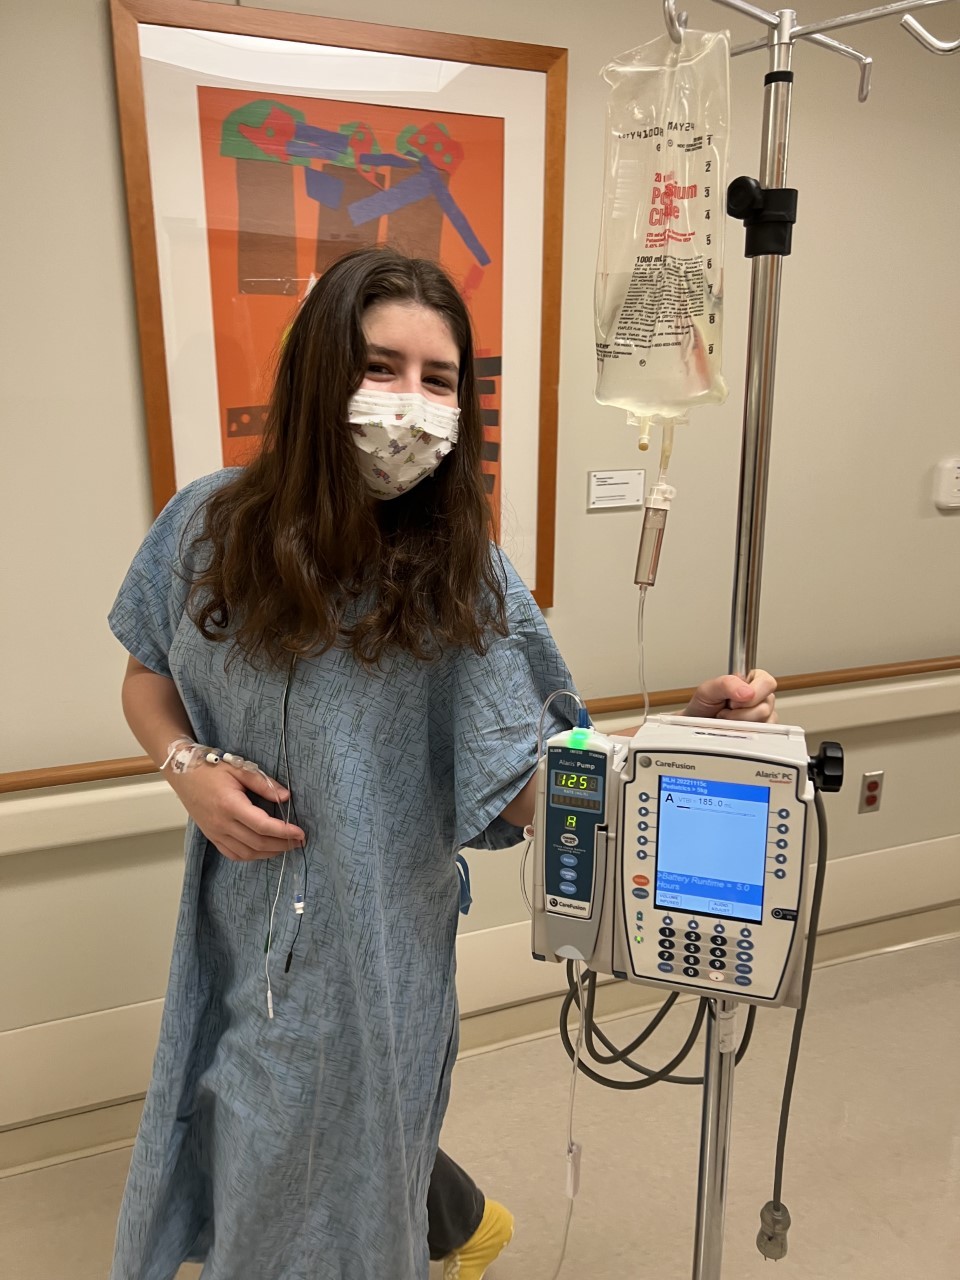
pixel 711 847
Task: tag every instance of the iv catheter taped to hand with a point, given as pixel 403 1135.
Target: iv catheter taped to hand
pixel 184 754
pixel 659 285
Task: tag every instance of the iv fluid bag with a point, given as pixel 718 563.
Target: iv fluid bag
pixel 659 287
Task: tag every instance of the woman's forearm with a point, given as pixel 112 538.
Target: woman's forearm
pixel 153 710
pixel 216 799
pixel 519 812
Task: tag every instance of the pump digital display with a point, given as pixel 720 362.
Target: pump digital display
pixel 576 790
pixel 711 847
pixel 576 781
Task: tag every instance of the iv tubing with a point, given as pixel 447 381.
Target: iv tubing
pixel 640 649
pixel 559 693
pixel 573 1152
pixel 666 447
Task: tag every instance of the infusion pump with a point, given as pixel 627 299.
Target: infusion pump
pixel 677 858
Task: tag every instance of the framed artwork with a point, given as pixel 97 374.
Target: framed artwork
pixel 260 146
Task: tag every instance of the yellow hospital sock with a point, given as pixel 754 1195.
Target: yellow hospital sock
pixel 470 1262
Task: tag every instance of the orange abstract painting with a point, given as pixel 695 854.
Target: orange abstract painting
pixel 291 183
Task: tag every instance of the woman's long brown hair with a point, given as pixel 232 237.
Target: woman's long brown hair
pixel 294 555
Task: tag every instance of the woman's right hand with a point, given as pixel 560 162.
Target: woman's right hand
pixel 215 796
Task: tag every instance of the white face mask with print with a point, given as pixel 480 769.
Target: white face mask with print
pixel 401 438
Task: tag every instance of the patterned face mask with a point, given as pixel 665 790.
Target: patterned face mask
pixel 401 438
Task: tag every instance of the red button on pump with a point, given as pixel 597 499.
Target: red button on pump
pixel 641 880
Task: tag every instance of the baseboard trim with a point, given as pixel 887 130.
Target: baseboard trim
pixel 76 1064
pixel 66 1138
pixel 96 1130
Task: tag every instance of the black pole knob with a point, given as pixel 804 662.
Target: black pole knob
pixel 768 213
pixel 826 767
pixel 744 196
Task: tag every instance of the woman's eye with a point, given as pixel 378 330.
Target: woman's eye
pixel 439 384
pixel 378 369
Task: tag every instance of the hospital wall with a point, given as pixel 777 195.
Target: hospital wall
pixel 861 567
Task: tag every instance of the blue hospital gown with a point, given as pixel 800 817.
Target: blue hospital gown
pixel 301 1148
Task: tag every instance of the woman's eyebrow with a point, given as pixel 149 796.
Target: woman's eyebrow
pixel 448 365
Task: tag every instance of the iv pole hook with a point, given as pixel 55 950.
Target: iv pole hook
pixel 675 21
pixel 909 23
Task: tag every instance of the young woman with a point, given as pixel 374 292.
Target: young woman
pixel 336 613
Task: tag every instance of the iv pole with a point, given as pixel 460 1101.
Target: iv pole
pixel 752 203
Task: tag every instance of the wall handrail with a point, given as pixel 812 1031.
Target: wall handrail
pixel 66 775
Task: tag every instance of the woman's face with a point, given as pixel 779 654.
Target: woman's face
pixel 410 349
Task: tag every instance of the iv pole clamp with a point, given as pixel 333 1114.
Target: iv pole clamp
pixel 768 209
pixel 767 213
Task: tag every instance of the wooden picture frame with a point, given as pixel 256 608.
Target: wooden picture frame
pixel 181 337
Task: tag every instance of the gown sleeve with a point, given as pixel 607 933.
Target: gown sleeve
pixel 498 699
pixel 153 597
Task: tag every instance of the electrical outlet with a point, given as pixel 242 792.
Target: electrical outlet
pixel 946 490
pixel 871 789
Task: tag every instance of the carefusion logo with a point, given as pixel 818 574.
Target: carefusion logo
pixel 568 908
pixel 676 764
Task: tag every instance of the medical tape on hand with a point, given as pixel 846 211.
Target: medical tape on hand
pixel 184 754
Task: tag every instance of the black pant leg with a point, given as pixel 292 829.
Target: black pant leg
pixel 455 1207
